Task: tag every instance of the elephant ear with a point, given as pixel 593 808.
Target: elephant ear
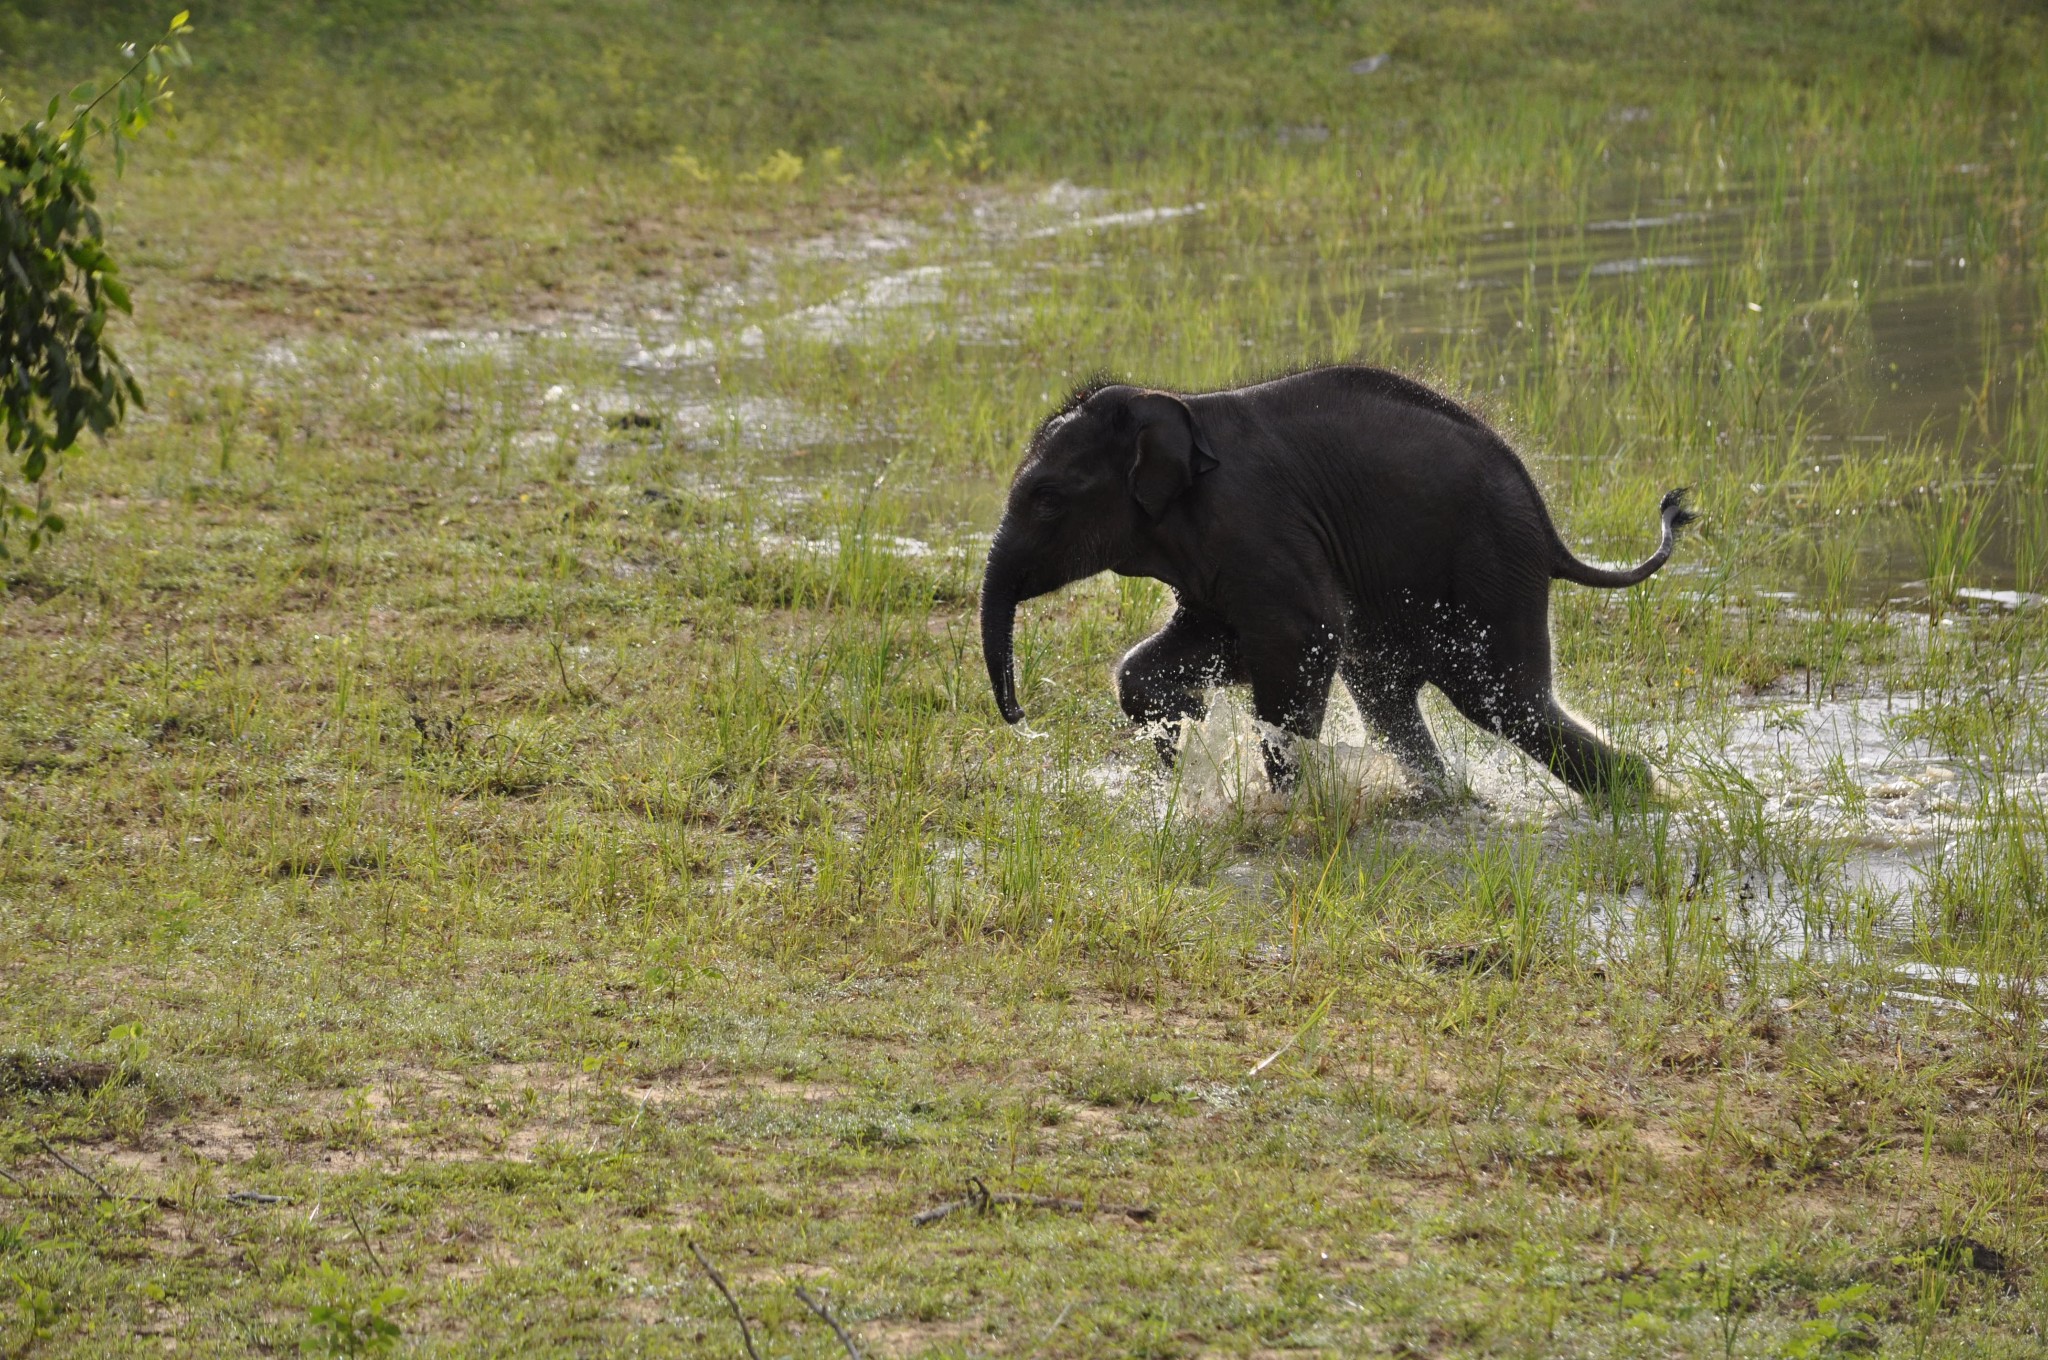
pixel 1171 451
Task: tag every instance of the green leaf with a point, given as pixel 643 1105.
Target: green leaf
pixel 1842 1298
pixel 58 284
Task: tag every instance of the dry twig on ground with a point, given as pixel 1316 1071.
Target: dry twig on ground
pixel 746 1335
pixel 981 1199
pixel 830 1321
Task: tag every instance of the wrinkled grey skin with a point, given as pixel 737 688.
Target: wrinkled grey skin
pixel 1343 521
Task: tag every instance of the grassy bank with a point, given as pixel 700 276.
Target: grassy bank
pixel 496 784
pixel 1064 89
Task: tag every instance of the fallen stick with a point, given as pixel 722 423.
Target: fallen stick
pixel 100 1192
pixel 1315 1016
pixel 746 1335
pixel 357 1224
pixel 830 1321
pixel 77 1170
pixel 980 1198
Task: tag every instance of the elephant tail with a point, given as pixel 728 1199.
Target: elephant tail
pixel 1675 517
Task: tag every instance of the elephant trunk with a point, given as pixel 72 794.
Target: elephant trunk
pixel 1001 588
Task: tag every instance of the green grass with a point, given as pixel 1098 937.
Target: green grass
pixel 1062 87
pixel 520 813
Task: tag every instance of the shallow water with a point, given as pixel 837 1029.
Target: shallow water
pixel 1846 776
pixel 1930 325
pixel 1840 766
pixel 1843 770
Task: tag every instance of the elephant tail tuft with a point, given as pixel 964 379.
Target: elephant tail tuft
pixel 1674 515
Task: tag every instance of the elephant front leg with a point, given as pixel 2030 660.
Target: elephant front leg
pixel 1163 681
pixel 1388 695
pixel 1290 676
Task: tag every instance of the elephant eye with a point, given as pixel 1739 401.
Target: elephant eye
pixel 1048 500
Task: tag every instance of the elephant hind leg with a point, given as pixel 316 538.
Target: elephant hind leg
pixel 1530 717
pixel 1163 681
pixel 1582 758
pixel 1388 698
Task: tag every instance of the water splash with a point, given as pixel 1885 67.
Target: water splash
pixel 1221 768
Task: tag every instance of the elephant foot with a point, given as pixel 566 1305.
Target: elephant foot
pixel 1620 784
pixel 1432 789
pixel 1283 764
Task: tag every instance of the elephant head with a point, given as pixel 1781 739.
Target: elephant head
pixel 1099 476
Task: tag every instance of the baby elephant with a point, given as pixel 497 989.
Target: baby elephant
pixel 1340 521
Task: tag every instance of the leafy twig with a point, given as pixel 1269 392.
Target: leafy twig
pixel 152 53
pixel 746 1335
pixel 59 375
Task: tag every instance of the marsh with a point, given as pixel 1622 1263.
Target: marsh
pixel 500 758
